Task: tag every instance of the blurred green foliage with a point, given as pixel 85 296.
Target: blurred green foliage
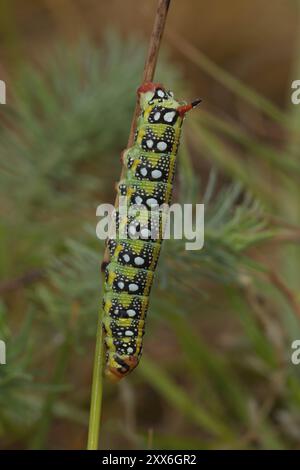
pixel 216 371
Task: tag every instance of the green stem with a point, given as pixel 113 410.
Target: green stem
pixel 97 391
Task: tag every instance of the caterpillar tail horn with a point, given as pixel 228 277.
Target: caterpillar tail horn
pixel 182 110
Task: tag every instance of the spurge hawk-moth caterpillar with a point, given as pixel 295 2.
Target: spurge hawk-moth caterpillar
pixel 150 166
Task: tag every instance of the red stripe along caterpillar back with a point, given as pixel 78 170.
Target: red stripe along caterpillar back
pixel 150 167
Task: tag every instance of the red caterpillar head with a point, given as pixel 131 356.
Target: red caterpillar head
pixel 149 87
pixel 150 91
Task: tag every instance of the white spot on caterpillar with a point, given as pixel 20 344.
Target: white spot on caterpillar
pixel 168 117
pixel 149 143
pixel 145 233
pixel 138 200
pixel 126 258
pixel 139 261
pixel 130 350
pixel 161 145
pixel 156 116
pixel 121 285
pixel 132 230
pixel 152 202
pixel 160 93
pixel 156 174
pixel 131 313
pixel 133 287
pixel 128 333
pixel 143 171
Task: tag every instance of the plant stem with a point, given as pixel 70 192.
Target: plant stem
pixel 96 397
pixel 97 384
pixel 151 60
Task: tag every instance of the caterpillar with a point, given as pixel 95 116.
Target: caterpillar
pixel 149 173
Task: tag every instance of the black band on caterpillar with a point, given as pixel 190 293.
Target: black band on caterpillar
pixel 145 166
pixel 150 168
pixel 135 253
pixel 119 278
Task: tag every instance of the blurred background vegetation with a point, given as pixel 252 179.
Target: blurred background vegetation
pixel 216 371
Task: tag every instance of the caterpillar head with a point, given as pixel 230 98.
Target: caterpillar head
pixel 150 93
